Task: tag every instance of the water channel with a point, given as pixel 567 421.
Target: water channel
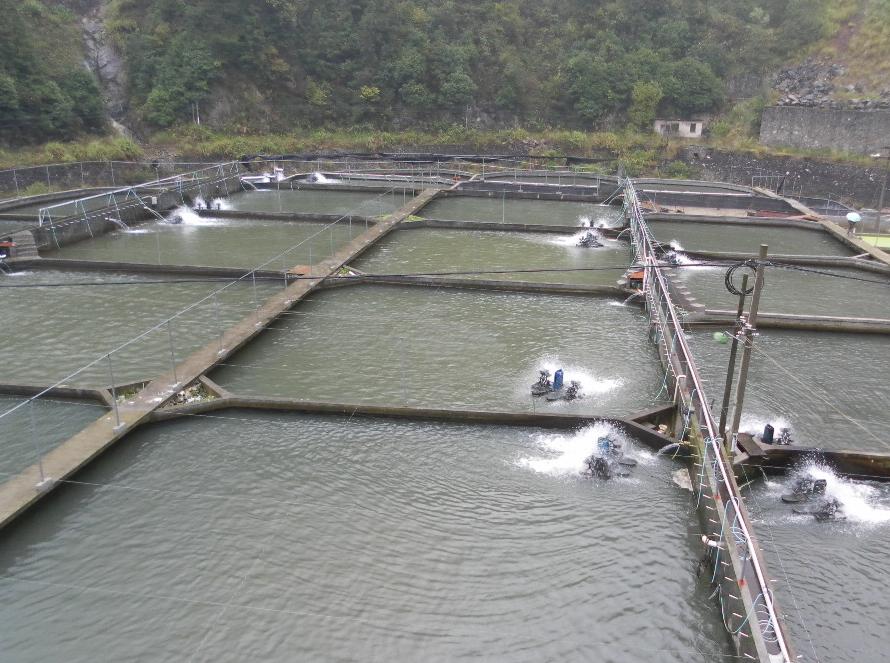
pixel 253 537
pixel 320 202
pixel 453 349
pixel 244 243
pixel 30 431
pixel 797 290
pixel 542 212
pixel 830 577
pixel 442 251
pixel 736 238
pixel 69 327
pixel 829 388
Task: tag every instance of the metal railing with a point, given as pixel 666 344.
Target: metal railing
pixel 689 391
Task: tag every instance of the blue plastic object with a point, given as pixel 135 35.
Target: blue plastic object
pixel 557 380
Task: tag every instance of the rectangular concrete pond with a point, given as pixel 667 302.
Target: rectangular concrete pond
pixel 799 290
pixel 508 210
pixel 246 537
pixel 451 348
pixel 735 238
pixel 435 251
pixel 244 243
pixel 827 572
pixel 829 388
pixel 34 429
pixel 321 202
pixel 59 328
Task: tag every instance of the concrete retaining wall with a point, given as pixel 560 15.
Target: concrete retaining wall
pixel 861 132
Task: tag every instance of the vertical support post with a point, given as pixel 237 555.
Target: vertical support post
pixel 158 243
pixel 15 180
pixel 111 166
pixel 733 352
pixel 81 175
pixel 749 340
pixel 36 443
pixel 504 206
pixel 218 325
pixel 332 241
pixel 48 181
pixel 117 416
pixel 172 353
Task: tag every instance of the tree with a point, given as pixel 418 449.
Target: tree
pixel 644 105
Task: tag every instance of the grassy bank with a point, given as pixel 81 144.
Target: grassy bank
pixel 641 154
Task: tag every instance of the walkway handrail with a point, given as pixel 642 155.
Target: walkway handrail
pixel 644 244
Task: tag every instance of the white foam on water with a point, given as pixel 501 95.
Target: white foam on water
pixel 859 500
pixel 584 221
pixel 191 218
pixel 563 455
pixel 572 241
pixel 754 424
pixel 591 385
pixel 675 245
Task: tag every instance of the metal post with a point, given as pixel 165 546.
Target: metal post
pixel 727 390
pixel 218 325
pixel 48 181
pixel 886 152
pixel 15 181
pixel 111 165
pixel 332 241
pixel 172 352
pixel 117 417
pixel 504 206
pixel 81 175
pixel 36 443
pixel 158 243
pixel 749 340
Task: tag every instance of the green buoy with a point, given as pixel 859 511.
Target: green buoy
pixel 721 337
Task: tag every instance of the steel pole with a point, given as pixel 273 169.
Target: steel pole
pixel 733 352
pixel 750 328
pixel 883 191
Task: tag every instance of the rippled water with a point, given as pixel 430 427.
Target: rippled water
pixel 447 348
pixel 321 202
pixel 736 238
pixel 22 438
pixel 434 251
pixel 59 329
pixel 830 577
pixel 800 290
pixel 544 212
pixel 830 388
pixel 246 243
pixel 269 538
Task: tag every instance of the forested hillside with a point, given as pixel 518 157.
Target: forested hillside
pixel 274 64
pixel 45 90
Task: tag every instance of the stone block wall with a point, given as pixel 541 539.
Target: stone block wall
pixel 860 132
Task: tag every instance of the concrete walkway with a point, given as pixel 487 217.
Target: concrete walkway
pixel 24 491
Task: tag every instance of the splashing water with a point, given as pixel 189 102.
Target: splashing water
pixel 590 384
pixel 564 454
pixel 859 500
pixel 754 424
pixel 188 216
pixel 584 222
pixel 573 241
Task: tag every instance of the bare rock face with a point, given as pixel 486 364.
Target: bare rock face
pixel 811 84
pixel 104 61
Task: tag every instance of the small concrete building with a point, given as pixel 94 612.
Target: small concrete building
pixel 680 128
